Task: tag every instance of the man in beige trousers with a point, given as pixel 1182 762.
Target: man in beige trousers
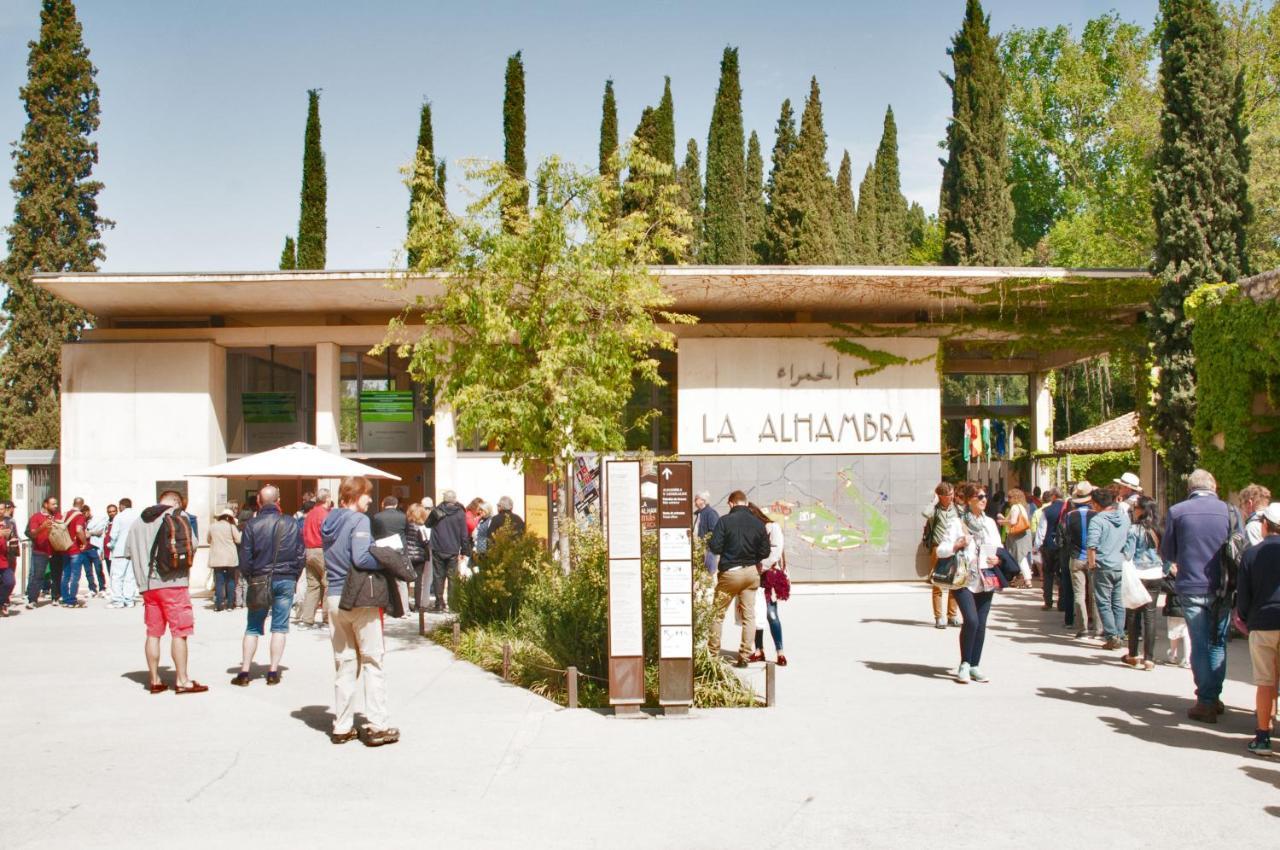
pixel 742 543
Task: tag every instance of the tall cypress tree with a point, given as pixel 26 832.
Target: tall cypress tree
pixel 866 234
pixel 513 127
pixel 56 225
pixel 846 213
pixel 816 234
pixel 725 222
pixel 428 176
pixel 778 228
pixel 690 180
pixel 755 207
pixel 664 147
pixel 976 204
pixel 1200 207
pixel 608 128
pixel 891 206
pixel 289 256
pixel 313 222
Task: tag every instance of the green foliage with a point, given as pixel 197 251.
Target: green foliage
pixel 664 139
pixel 976 206
pixel 504 575
pixel 926 238
pixel 866 240
pixel 1082 118
pixel 1237 351
pixel 313 221
pixel 846 213
pixel 1104 467
pixel 56 226
pixel 725 222
pixel 1093 391
pixel 1200 211
pixel 545 322
pixel 802 206
pixel 428 176
pixel 289 256
pixel 608 128
pixel 777 231
pixel 568 614
pixel 690 180
pixel 755 210
pixel 891 206
pixel 516 204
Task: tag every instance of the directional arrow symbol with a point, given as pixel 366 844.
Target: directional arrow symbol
pixel 666 473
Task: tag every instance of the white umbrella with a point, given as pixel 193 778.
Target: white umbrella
pixel 298 460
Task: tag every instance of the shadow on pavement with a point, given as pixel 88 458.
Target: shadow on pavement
pixel 143 677
pixel 257 670
pixel 1258 773
pixel 1081 660
pixel 893 622
pixel 924 671
pixel 317 717
pixel 1161 719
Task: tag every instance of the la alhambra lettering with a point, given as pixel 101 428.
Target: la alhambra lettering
pixel 797 428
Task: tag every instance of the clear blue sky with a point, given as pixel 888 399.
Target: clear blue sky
pixel 203 104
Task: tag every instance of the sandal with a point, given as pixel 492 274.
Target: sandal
pixel 378 737
pixel 193 688
pixel 349 735
pixel 273 677
pixel 157 688
pixel 241 679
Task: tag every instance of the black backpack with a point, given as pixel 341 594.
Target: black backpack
pixel 1231 554
pixel 174 549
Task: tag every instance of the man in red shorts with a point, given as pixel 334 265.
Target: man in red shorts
pixel 165 596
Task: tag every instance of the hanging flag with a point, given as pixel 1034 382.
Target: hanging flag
pixel 975 436
pixel 999 435
pixel 986 436
pixel 964 453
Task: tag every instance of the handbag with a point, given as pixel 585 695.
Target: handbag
pixel 1023 524
pixel 951 572
pixel 991 579
pixel 1132 592
pixel 258 595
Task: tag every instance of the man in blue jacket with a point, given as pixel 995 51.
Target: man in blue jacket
pixel 271 550
pixel 1258 602
pixel 1194 532
pixel 449 542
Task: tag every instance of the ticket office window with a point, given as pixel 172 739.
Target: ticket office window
pixel 270 398
pixel 383 411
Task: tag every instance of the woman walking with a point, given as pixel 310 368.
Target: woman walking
pixel 1143 548
pixel 772 582
pixel 224 559
pixel 1017 523
pixel 357 638
pixel 973 539
pixel 415 547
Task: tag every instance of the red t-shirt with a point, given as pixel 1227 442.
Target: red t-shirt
pixel 40 542
pixel 311 527
pixel 76 523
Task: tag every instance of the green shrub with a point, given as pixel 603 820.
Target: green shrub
pixel 497 589
pixel 567 615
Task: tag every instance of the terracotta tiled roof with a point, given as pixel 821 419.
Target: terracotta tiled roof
pixel 1262 287
pixel 1117 435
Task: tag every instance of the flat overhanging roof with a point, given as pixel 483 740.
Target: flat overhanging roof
pixel 845 293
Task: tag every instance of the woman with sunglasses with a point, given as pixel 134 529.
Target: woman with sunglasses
pixel 973 538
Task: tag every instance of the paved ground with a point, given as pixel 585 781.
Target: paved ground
pixel 871 745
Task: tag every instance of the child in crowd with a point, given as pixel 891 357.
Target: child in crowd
pixel 1179 651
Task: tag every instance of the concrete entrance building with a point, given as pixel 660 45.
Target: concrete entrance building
pixel 182 371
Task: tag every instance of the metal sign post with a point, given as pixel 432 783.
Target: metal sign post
pixel 675 591
pixel 626 617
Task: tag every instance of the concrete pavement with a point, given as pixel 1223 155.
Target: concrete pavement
pixel 871 745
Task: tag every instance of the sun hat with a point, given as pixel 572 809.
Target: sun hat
pixel 227 512
pixel 1272 513
pixel 1129 480
pixel 1082 492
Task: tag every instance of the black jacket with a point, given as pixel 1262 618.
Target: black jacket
pixel 449 535
pixel 739 539
pixel 270 532
pixel 376 588
pixel 508 522
pixel 388 522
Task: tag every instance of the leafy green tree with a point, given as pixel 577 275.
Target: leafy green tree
pixel 690 182
pixel 846 213
pixel 976 206
pixel 540 332
pixel 1083 130
pixel 803 208
pixel 755 204
pixel 865 232
pixel 725 221
pixel 891 206
pixel 777 230
pixel 513 128
pixel 56 226
pixel 313 220
pixel 926 238
pixel 289 256
pixel 1200 208
pixel 432 174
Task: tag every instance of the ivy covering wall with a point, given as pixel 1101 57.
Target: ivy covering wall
pixel 1237 348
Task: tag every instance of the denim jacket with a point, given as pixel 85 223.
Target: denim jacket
pixel 1142 550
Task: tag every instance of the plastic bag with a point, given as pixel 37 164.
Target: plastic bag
pixel 1132 591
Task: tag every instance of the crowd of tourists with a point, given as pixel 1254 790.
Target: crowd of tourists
pixel 1110 559
pixel 262 560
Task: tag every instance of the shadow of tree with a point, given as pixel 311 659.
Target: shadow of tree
pixel 1160 719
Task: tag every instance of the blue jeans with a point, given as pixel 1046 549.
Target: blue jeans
pixel 1207 621
pixel 1106 590
pixel 93 570
pixel 775 624
pixel 281 604
pixel 224 587
pixel 71 577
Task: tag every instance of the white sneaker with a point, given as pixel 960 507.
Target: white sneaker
pixel 115 605
pixel 964 674
pixel 976 676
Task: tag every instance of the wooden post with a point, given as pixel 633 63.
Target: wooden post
pixel 506 662
pixel 457 635
pixel 422 622
pixel 571 684
pixel 770 687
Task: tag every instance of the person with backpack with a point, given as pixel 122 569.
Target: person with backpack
pixel 1258 604
pixel 271 557
pixel 935 528
pixel 161 547
pixel 46 554
pixel 1074 534
pixel 1047 543
pixel 78 560
pixel 1196 533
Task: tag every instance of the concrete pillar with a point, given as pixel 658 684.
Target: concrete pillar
pixel 446 451
pixel 1041 402
pixel 328 396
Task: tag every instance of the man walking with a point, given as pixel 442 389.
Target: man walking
pixel 160 572
pixel 77 556
pixel 271 552
pixel 1108 532
pixel 1194 532
pixel 1076 537
pixel 742 543
pixel 314 547
pixel 705 519
pixel 449 541
pixel 95 529
pixel 1047 543
pixel 42 555
pixel 944 511
pixel 1258 603
pixel 124 585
